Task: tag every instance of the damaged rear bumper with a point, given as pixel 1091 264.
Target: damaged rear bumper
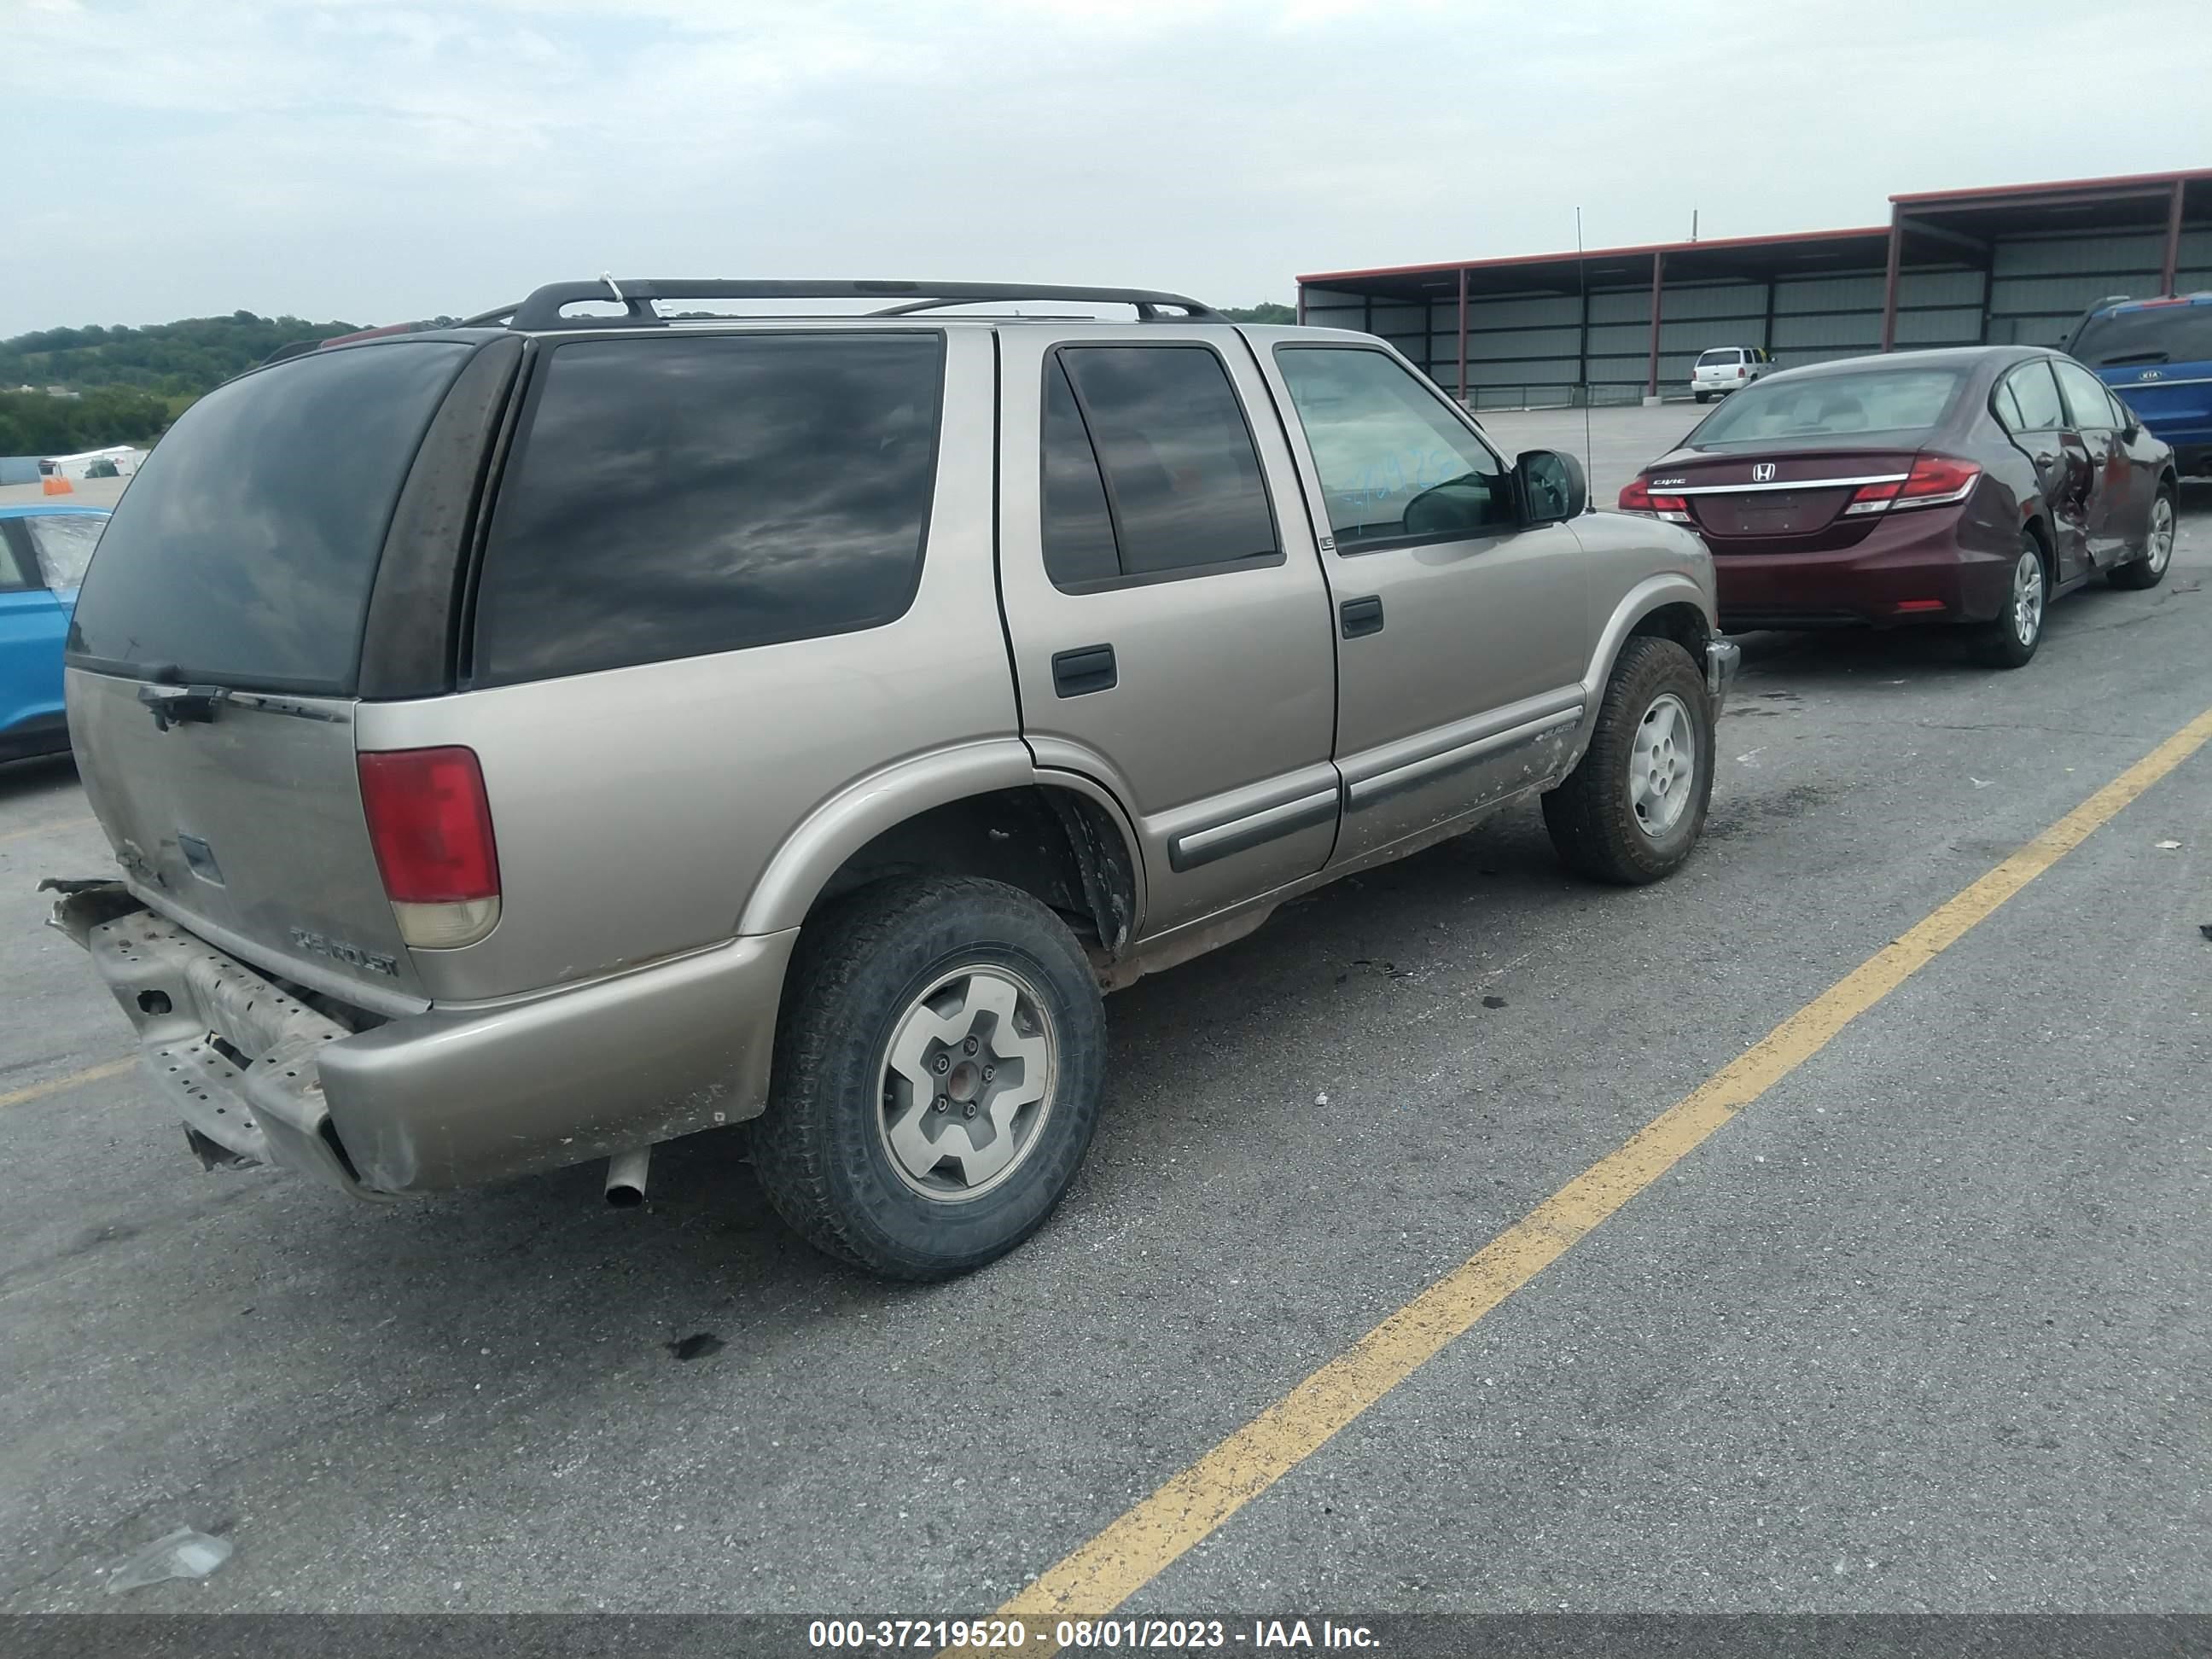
pixel 453 1097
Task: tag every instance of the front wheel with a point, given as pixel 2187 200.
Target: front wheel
pixel 2149 570
pixel 2010 639
pixel 1631 810
pixel 938 1064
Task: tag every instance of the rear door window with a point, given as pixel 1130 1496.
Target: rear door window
pixel 1080 548
pixel 19 567
pixel 2087 400
pixel 244 550
pixel 1178 474
pixel 2035 395
pixel 674 497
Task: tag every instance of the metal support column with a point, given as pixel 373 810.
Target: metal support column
pixel 1582 337
pixel 1302 305
pixel 2171 277
pixel 1658 286
pixel 1462 334
pixel 1889 279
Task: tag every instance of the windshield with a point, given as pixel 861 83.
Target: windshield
pixel 2155 334
pixel 1883 400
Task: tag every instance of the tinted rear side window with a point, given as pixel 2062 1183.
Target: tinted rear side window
pixel 1181 475
pixel 677 496
pixel 243 552
pixel 1079 526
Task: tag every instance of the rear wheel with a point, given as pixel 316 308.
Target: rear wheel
pixel 938 1071
pixel 1631 810
pixel 2149 570
pixel 2010 639
pixel 1704 396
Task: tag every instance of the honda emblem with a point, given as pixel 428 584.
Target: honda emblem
pixel 1762 472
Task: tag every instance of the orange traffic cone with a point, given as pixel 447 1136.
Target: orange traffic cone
pixel 58 484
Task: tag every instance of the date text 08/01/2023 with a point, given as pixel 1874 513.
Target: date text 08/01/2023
pixel 1012 1635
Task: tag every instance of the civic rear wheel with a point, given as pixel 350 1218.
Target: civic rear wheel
pixel 2009 639
pixel 2149 570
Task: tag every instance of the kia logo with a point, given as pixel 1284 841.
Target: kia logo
pixel 1762 472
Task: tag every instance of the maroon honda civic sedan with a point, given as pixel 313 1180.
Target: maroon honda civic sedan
pixel 1964 486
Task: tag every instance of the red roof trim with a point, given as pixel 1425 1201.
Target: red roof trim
pixel 1570 257
pixel 2121 181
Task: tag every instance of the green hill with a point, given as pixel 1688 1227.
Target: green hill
pixel 131 382
pixel 174 360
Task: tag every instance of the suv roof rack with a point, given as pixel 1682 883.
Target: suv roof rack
pixel 544 309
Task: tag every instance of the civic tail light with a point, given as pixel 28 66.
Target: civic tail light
pixel 1934 481
pixel 1636 496
pixel 430 822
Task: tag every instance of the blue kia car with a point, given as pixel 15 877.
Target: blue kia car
pixel 44 551
pixel 2156 356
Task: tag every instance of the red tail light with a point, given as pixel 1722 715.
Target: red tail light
pixel 1934 481
pixel 1636 496
pixel 429 822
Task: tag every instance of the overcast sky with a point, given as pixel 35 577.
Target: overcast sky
pixel 374 163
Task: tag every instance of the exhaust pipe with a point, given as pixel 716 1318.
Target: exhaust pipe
pixel 626 1177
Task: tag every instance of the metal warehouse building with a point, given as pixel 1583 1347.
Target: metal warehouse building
pixel 1967 267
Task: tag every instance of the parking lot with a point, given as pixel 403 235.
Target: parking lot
pixel 1928 1327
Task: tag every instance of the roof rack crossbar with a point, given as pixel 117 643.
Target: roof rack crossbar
pixel 545 308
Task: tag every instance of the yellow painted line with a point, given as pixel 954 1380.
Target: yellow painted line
pixel 46 828
pixel 1100 1575
pixel 56 1085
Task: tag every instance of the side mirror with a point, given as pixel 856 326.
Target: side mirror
pixel 1552 486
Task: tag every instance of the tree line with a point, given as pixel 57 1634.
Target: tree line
pixel 32 423
pixel 182 359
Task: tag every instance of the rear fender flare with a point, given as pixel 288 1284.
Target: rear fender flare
pixel 1648 595
pixel 850 819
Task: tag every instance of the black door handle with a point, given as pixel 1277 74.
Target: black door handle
pixel 1086 669
pixel 1363 616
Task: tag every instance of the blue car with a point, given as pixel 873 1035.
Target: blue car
pixel 44 552
pixel 2156 356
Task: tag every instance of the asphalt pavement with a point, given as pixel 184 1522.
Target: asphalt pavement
pixel 1928 1327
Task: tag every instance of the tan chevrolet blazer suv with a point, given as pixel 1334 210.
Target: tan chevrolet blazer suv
pixel 530 741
